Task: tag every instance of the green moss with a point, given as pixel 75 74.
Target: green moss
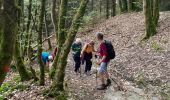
pixel 5 87
pixel 20 87
pixel 2 98
pixel 155 46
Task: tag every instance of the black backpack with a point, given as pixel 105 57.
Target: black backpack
pixel 110 50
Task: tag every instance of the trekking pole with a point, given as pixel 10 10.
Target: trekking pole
pixel 96 70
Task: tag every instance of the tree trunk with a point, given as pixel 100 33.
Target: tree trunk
pixel 61 34
pixel 113 8
pixel 107 9
pixel 130 5
pixel 20 64
pixel 8 36
pixel 92 5
pixel 57 85
pixel 17 55
pixel 100 6
pixel 28 28
pixel 150 28
pixel 41 64
pixel 156 12
pixel 120 5
pixel 54 15
pixel 47 32
pixel 124 6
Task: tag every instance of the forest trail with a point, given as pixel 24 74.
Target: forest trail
pixel 136 62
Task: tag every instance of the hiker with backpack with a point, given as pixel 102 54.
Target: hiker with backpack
pixel 86 55
pixel 106 53
pixel 76 49
pixel 46 58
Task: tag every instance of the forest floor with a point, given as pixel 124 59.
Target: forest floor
pixel 141 69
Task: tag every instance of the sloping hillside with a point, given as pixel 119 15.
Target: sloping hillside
pixel 141 69
pixel 141 63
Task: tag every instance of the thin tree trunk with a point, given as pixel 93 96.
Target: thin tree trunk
pixel 120 5
pixel 113 8
pixel 8 37
pixel 30 54
pixel 107 9
pixel 54 16
pixel 28 28
pixel 100 7
pixel 20 64
pixel 41 64
pixel 57 85
pixel 130 5
pixel 47 32
pixel 61 34
pixel 124 6
pixel 92 5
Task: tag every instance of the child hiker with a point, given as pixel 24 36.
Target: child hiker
pixel 76 48
pixel 86 55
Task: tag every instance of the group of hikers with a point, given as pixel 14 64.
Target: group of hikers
pixel 84 54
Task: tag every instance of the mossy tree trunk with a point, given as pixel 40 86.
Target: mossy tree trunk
pixel 113 8
pixel 120 5
pixel 8 36
pixel 156 11
pixel 124 6
pixel 20 64
pixel 54 15
pixel 47 31
pixel 41 64
pixel 150 26
pixel 107 9
pixel 57 85
pixel 17 55
pixel 28 28
pixel 61 34
pixel 130 5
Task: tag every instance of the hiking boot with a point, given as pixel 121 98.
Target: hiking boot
pixel 102 87
pixel 108 82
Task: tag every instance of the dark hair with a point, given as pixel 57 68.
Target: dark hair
pixel 100 36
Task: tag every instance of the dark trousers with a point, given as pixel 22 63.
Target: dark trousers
pixel 77 62
pixel 87 59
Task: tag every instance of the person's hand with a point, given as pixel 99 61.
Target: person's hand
pixel 98 62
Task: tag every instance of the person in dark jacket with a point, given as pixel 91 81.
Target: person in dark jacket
pixel 76 49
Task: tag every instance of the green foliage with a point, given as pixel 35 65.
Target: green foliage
pixel 5 87
pixel 164 5
pixel 10 86
pixel 165 91
pixel 155 46
pixel 90 19
pixel 138 5
pixel 20 87
pixel 1 97
pixel 141 80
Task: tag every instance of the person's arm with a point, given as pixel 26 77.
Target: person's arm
pixel 84 49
